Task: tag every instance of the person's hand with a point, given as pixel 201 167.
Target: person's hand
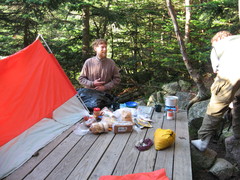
pixel 100 88
pixel 98 82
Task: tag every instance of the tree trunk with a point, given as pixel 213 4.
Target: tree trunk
pixel 26 37
pixel 203 92
pixel 187 23
pixel 85 39
pixel 239 9
pixel 105 23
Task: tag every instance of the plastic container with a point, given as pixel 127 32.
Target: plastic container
pixel 131 104
pixel 96 112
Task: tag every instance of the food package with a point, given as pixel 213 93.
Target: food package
pixel 109 120
pixel 122 127
pixel 163 138
pixel 99 127
pixel 88 120
pixel 143 123
pixel 106 112
pixel 126 115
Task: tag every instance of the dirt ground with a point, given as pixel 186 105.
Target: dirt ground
pixel 204 174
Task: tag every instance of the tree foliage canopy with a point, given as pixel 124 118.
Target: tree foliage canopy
pixel 140 34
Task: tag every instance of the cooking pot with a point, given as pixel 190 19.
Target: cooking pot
pixel 171 101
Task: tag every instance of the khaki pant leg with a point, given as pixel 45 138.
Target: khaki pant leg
pixel 222 93
pixel 209 126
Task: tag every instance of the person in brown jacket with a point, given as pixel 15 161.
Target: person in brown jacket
pixel 100 72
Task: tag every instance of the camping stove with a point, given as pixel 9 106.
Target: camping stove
pixel 171 107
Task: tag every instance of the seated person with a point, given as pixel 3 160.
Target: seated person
pixel 99 72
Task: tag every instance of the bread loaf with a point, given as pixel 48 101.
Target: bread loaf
pixel 122 127
pixel 99 127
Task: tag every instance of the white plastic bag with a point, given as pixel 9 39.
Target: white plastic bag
pixel 81 129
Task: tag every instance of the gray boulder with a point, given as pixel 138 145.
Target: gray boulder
pixel 222 169
pixel 184 86
pixel 202 160
pixel 174 87
pixel 171 88
pixel 183 99
pixel 155 98
pixel 141 102
pixel 198 110
pixel 232 146
pixel 195 117
pixel 180 89
pixel 226 132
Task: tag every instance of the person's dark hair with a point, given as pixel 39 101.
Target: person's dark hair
pixel 220 35
pixel 98 41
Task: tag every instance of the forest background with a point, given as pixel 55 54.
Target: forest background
pixel 142 37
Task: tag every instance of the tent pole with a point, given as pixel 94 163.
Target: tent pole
pixel 39 35
pixel 80 99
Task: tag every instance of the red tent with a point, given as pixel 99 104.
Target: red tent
pixel 32 85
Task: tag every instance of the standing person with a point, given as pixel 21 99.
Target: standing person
pixel 99 72
pixel 225 59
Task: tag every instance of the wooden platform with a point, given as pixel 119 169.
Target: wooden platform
pixel 71 156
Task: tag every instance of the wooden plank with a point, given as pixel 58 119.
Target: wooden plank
pixel 146 159
pixel 27 167
pixel 165 157
pixel 110 157
pixel 69 162
pixel 182 160
pixel 87 164
pixel 48 164
pixel 129 156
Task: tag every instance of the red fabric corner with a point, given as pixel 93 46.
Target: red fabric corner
pixel 32 85
pixel 154 175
